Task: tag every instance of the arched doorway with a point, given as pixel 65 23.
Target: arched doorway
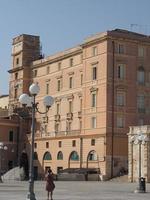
pixel 92 160
pixel 47 161
pixel 73 160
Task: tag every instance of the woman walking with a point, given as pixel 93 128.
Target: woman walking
pixel 49 184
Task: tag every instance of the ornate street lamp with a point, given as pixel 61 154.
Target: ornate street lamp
pixel 28 101
pixel 2 147
pixel 139 139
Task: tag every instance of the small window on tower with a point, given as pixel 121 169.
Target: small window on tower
pixel 16 76
pixel 17 61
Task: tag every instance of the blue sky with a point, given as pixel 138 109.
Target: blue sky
pixel 62 24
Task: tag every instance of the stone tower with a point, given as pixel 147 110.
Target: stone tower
pixel 25 49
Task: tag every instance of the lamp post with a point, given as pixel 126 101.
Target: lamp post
pixel 2 147
pixel 139 139
pixel 28 101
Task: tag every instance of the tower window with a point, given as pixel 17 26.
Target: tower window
pixel 17 61
pixel 16 76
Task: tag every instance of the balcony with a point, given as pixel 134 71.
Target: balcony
pixel 69 116
pixel 57 117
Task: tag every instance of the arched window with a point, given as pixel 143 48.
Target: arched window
pixel 74 156
pixel 141 75
pixel 35 156
pixel 92 156
pixel 47 156
pixel 60 156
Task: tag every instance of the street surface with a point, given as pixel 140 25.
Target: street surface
pixel 74 191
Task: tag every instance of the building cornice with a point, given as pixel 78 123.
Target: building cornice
pixel 56 58
pixel 15 69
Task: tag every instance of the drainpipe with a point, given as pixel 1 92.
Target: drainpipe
pixel 113 90
pixel 81 152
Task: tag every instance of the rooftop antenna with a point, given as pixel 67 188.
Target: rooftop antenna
pixel 41 55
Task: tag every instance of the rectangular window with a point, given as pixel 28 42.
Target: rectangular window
pixel 59 66
pixel 34 73
pixel 141 75
pixel 121 71
pixel 59 143
pixel 80 124
pixel 141 103
pixel 11 136
pixel 81 79
pixel 16 76
pixel 70 82
pixel 94 51
pixel 120 122
pixel 57 125
pixel 81 104
pixel 73 143
pixel 120 99
pixel 141 51
pixel 93 100
pixel 70 106
pixel 92 142
pixel 35 145
pixel 120 48
pixel 93 122
pixel 47 70
pixel 47 144
pixel 71 62
pixel 58 85
pixel 58 108
pixel 47 88
pixel 94 73
pixel 17 61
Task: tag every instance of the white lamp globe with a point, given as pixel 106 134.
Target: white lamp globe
pixel 29 104
pixel 24 99
pixel 34 89
pixel 1 145
pixel 48 101
pixel 5 148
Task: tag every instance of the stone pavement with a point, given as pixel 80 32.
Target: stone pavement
pixel 75 191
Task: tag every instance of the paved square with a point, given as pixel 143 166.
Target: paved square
pixel 75 191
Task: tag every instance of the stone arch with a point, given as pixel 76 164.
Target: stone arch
pixel 47 161
pixel 47 156
pixel 92 157
pixel 60 155
pixel 73 160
